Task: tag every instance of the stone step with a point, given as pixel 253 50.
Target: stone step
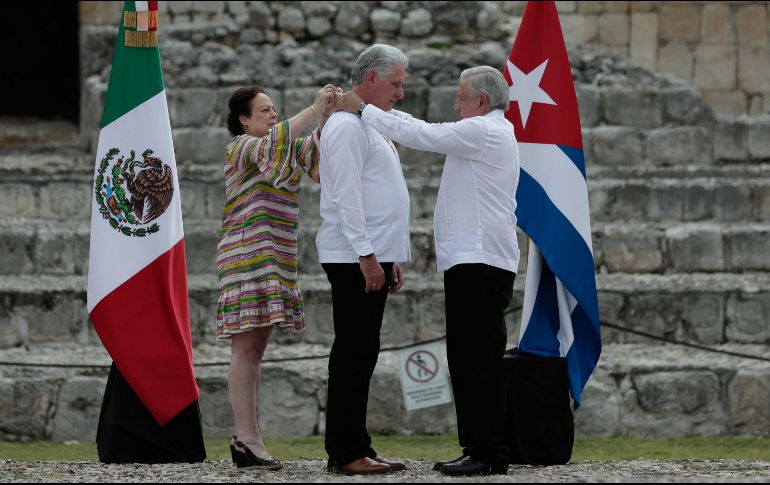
pixel 55 247
pixel 659 195
pixel 636 390
pixel 703 308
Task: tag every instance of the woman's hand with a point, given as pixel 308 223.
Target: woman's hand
pixel 331 102
pixel 349 102
pixel 325 96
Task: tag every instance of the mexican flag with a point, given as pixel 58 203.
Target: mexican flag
pixel 137 278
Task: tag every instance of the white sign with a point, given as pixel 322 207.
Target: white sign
pixel 423 379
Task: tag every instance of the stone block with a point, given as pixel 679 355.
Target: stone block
pixel 579 29
pixel 644 39
pixel 288 405
pixel 441 101
pixel 629 250
pixel 749 249
pixel 630 202
pixel 216 412
pixel 614 29
pixel 319 319
pixel 352 19
pixel 677 403
pixel 610 311
pixel 677 59
pixel 599 203
pixel 703 319
pixel 417 23
pixel 205 144
pixel 732 203
pixel 759 138
pixel 756 105
pixel 600 413
pixel 666 203
pixel 717 27
pixel 731 139
pixel 16 251
pixel 589 104
pixel 644 6
pixel 692 249
pixel 748 394
pixel 18 200
pixel 56 252
pixel 237 7
pixel 747 317
pixel 292 20
pixel 715 67
pixel 727 102
pixel 201 250
pixel 636 108
pixel 698 202
pixel 78 408
pixel 453 21
pixel 679 22
pixel 590 7
pixel 752 25
pixel 50 317
pixel 193 195
pixel 193 106
pixel 683 104
pixel 319 26
pixel 679 146
pixel 25 405
pixel 296 100
pixel 762 203
pixel 613 145
pixel 384 20
pixel 654 313
pixel 415 101
pixel 566 6
pixel 754 68
pixel 66 200
pixel 215 201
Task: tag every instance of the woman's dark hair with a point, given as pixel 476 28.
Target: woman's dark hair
pixel 240 104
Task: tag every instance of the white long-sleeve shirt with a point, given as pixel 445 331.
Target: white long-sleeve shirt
pixel 474 220
pixel 364 199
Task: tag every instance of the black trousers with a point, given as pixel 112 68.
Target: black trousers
pixel 357 323
pixel 476 298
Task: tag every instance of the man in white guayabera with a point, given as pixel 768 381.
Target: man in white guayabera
pixel 476 248
pixel 363 237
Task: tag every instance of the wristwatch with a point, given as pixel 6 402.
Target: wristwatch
pixel 361 109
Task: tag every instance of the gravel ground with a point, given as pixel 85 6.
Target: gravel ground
pixel 313 470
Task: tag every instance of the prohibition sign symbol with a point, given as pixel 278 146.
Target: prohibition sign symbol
pixel 422 366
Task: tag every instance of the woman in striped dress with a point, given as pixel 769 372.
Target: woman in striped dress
pixel 257 248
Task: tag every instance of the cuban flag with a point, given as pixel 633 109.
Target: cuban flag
pixel 560 316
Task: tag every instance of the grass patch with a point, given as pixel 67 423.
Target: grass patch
pixel 436 447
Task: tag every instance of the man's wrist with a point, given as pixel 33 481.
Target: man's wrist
pixel 361 107
pixel 370 255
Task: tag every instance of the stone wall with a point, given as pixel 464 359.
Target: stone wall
pixel 722 48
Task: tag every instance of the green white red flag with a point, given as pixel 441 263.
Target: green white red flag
pixel 137 277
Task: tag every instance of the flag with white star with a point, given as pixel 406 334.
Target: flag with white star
pixel 560 316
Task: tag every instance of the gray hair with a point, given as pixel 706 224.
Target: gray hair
pixel 490 82
pixel 378 58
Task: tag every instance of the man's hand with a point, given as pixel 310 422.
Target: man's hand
pixel 373 273
pixel 396 278
pixel 349 102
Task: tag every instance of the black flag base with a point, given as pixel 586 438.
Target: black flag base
pixel 539 421
pixel 128 433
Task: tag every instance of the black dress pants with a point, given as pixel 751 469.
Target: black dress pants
pixel 357 323
pixel 476 298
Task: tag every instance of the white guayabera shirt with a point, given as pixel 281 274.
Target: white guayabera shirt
pixel 364 199
pixel 475 219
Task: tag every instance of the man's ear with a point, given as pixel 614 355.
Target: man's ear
pixel 483 101
pixel 371 77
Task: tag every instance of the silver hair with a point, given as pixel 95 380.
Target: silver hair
pixel 488 81
pixel 379 58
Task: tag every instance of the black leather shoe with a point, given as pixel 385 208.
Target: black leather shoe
pixel 437 466
pixel 472 466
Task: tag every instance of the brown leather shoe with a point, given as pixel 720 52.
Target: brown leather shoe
pixel 363 466
pixel 394 465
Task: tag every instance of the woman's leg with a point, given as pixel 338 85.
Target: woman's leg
pixel 245 373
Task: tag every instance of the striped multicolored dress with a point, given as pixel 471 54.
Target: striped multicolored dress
pixel 257 249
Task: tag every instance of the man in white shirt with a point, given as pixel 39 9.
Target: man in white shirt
pixel 476 248
pixel 363 237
